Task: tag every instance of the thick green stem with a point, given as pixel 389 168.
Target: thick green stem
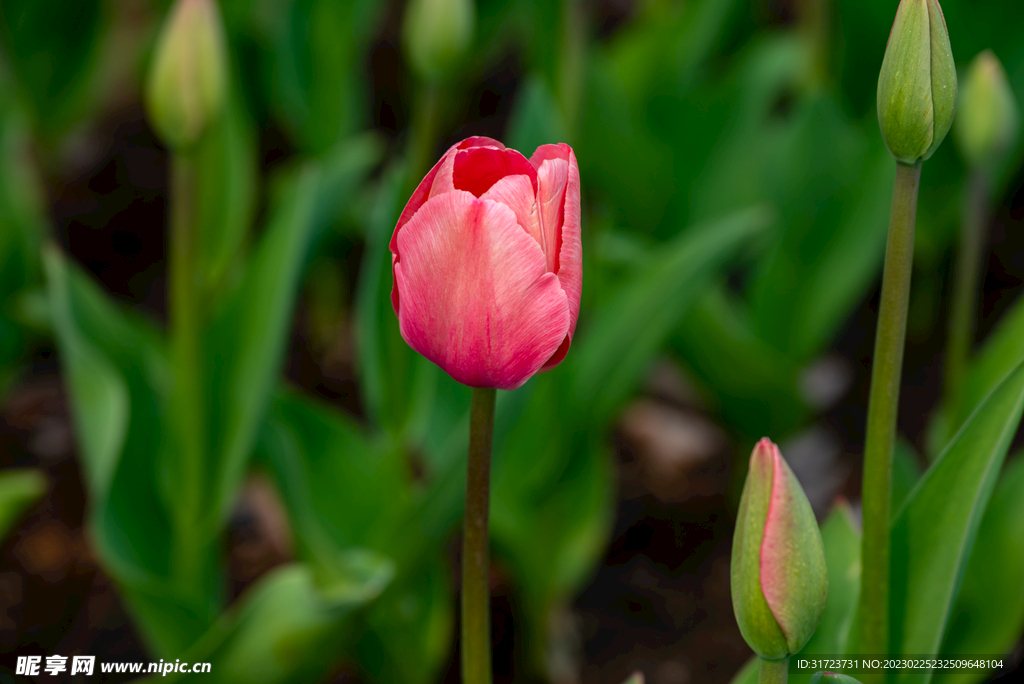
pixel 965 290
pixel 187 403
pixel 773 671
pixel 883 403
pixel 476 589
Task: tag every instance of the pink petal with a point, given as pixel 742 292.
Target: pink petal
pixel 479 141
pixel 423 190
pixel 478 168
pixel 570 250
pixel 775 545
pixel 475 296
pixel 437 180
pixel 517 193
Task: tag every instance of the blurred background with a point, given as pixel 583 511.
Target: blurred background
pixel 736 196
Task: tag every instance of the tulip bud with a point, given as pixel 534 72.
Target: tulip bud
pixel 832 678
pixel 917 84
pixel 437 33
pixel 778 574
pixel 188 76
pixel 989 118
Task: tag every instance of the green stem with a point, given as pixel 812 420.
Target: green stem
pixel 424 132
pixel 476 589
pixel 572 64
pixel 773 671
pixel 965 290
pixel 883 403
pixel 185 344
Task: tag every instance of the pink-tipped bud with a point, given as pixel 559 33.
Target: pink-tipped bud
pixel 188 76
pixel 778 574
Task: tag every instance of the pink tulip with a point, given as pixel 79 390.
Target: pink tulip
pixel 487 262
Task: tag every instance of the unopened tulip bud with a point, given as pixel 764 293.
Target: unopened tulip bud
pixel 832 678
pixel 188 76
pixel 917 84
pixel 437 34
pixel 987 124
pixel 778 574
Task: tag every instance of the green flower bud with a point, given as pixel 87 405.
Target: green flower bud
pixel 437 33
pixel 917 84
pixel 778 574
pixel 187 79
pixel 988 121
pixel 826 677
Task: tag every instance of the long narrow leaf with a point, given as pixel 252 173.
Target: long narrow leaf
pixel 626 332
pixel 245 343
pixel 934 531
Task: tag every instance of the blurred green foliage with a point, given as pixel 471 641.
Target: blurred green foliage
pixel 736 195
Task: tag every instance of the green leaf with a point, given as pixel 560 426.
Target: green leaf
pixel 536 118
pixel 344 488
pixel 753 386
pixel 988 616
pixel 119 379
pixel 341 487
pixel 613 351
pixel 99 390
pixel 19 488
pixel 53 54
pixel 246 340
pixel 906 471
pixel 283 630
pixel 934 531
pixel 23 223
pixel 1002 351
pixel 551 502
pixel 398 384
pixel 226 192
pixel 407 633
pixel 319 90
pixel 841 540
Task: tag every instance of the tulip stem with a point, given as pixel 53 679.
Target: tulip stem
pixel 773 671
pixel 186 401
pixel 883 404
pixel 476 586
pixel 426 120
pixel 965 291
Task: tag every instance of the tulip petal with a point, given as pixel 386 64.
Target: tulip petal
pixel 753 614
pixel 475 297
pixel 516 193
pixel 793 580
pixel 478 168
pixel 570 254
pixel 437 180
pixel 424 189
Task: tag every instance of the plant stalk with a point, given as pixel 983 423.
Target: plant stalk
pixel 187 400
pixel 476 589
pixel 425 125
pixel 883 404
pixel 773 671
pixel 965 291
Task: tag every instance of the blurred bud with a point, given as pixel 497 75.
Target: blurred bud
pixel 917 84
pixel 437 33
pixel 987 125
pixel 778 575
pixel 832 678
pixel 188 76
